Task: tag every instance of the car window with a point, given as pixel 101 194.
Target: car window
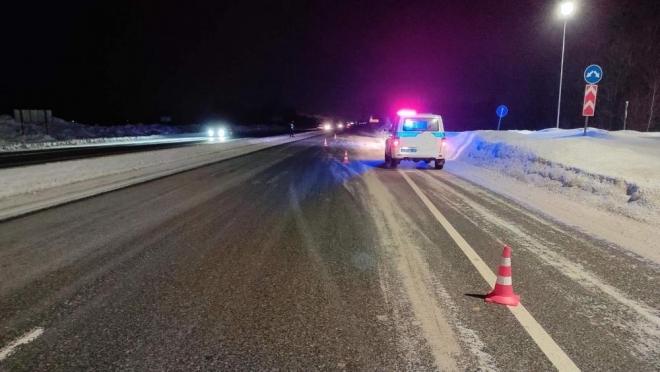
pixel 416 124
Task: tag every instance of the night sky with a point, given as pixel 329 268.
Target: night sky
pixel 112 61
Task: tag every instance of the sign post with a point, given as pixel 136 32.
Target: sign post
pixel 589 106
pixel 625 115
pixel 592 75
pixel 501 112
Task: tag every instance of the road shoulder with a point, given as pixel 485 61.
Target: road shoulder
pixel 634 236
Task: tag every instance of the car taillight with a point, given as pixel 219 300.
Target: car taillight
pixel 396 142
pixel 443 143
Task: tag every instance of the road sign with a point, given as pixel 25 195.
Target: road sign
pixel 593 74
pixel 589 106
pixel 502 111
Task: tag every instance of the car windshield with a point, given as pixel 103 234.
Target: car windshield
pixel 418 124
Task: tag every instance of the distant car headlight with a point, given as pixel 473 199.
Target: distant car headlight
pixel 340 126
pixel 222 133
pixel 327 126
pixel 210 132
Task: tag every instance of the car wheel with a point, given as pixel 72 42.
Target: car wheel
pixel 387 159
pixel 439 164
pixel 393 163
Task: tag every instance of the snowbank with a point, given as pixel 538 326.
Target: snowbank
pixel 617 171
pixel 64 133
pixel 260 128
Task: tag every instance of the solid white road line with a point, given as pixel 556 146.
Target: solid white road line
pixel 555 354
pixel 26 338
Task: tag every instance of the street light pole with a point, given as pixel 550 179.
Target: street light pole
pixel 561 71
pixel 565 9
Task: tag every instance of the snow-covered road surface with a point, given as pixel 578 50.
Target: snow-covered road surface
pixel 289 259
pixel 30 188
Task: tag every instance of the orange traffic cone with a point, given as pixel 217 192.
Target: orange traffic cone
pixel 325 142
pixel 503 292
pixel 345 157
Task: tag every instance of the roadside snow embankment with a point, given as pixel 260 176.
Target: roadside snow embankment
pixel 616 171
pixel 64 133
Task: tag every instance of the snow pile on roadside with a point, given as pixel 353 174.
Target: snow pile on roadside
pixel 260 128
pixel 616 171
pixel 64 133
pixel 17 146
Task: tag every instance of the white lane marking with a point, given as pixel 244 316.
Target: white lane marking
pixel 274 179
pixel 555 354
pixel 26 338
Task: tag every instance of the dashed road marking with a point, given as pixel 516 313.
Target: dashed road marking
pixel 26 338
pixel 555 354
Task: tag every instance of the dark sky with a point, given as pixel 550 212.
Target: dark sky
pixel 109 60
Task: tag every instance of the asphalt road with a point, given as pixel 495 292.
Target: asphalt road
pixel 287 259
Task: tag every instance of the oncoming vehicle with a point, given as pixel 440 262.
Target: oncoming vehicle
pixel 416 137
pixel 327 126
pixel 220 131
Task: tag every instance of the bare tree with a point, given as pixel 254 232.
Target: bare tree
pixel 619 62
pixel 632 61
pixel 654 97
pixel 651 63
pixel 637 110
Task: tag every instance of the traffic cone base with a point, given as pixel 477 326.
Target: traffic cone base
pixel 503 292
pixel 510 300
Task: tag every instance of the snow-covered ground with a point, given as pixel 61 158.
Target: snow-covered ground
pixel 65 133
pixel 616 171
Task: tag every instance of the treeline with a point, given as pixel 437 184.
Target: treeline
pixel 631 63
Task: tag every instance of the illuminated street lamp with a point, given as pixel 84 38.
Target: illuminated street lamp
pixel 566 8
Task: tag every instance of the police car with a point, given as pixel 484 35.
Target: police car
pixel 416 137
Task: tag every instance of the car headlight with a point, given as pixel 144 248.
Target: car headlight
pixel 340 126
pixel 221 133
pixel 210 132
pixel 327 127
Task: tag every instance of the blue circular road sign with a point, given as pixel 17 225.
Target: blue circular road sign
pixel 502 111
pixel 593 74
